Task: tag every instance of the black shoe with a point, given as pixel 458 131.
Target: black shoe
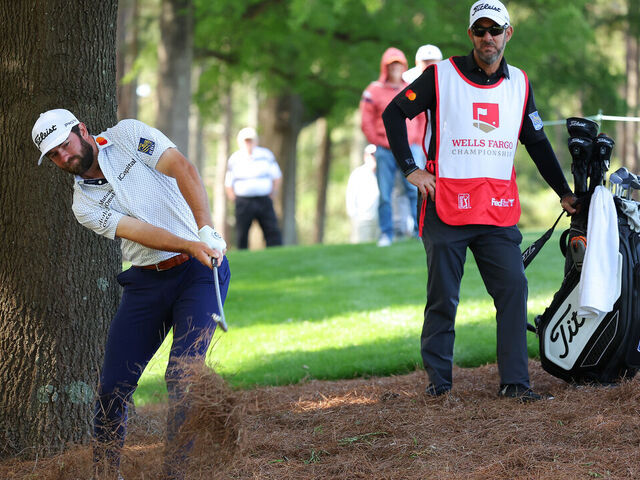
pixel 522 393
pixel 434 391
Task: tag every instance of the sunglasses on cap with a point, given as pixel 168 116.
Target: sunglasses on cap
pixel 493 30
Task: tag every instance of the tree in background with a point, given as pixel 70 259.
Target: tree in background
pixel 57 279
pixel 175 61
pixel 314 58
pixel 126 54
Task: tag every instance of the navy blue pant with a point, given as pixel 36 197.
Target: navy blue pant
pixel 261 209
pixel 182 298
pixel 497 254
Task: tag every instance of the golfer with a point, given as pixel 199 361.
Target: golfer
pixel 482 106
pixel 132 183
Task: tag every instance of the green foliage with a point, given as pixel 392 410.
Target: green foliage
pixel 330 312
pixel 328 51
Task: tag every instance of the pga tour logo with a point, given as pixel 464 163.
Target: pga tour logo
pixel 464 201
pixel 486 116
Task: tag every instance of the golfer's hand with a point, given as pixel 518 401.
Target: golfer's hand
pixel 425 181
pixel 214 241
pixel 568 203
pixel 204 253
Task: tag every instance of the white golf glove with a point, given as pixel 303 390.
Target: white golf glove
pixel 212 238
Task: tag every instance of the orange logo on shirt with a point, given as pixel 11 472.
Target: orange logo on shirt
pixel 410 94
pixel 101 141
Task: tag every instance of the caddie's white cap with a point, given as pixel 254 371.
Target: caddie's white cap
pixel 246 134
pixel 492 9
pixel 51 129
pixel 428 52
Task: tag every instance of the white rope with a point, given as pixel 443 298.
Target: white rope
pixel 598 118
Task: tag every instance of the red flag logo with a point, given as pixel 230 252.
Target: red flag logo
pixel 486 116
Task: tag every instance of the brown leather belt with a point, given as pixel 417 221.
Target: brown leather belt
pixel 167 264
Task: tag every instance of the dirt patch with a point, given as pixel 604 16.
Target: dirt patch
pixel 386 428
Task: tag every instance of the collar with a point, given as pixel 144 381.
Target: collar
pixel 470 65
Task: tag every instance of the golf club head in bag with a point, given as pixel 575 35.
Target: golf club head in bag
pixel 634 184
pixel 580 149
pixel 615 184
pixel 582 135
pixel 582 127
pixel 619 181
pixel 600 160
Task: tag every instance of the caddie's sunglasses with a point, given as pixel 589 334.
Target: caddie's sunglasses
pixel 493 30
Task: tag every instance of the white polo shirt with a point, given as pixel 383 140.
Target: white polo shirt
pixel 127 154
pixel 252 175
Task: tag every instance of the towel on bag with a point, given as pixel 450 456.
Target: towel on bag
pixel 599 277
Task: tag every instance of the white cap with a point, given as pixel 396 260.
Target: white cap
pixel 370 149
pixel 424 53
pixel 428 52
pixel 491 9
pixel 51 129
pixel 246 134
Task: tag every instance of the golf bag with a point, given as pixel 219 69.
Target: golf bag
pixel 604 349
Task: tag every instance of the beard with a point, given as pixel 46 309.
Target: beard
pixel 79 164
pixel 489 58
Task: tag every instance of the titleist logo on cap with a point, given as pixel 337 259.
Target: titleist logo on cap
pixel 485 6
pixel 42 135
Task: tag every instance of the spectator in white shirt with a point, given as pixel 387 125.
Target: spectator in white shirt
pixel 362 199
pixel 252 181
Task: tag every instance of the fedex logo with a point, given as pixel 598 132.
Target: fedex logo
pixel 486 116
pixel 502 202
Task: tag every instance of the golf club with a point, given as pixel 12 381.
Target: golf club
pixel 623 175
pixel 634 184
pixel 580 149
pixel 615 183
pixel 219 319
pixel 600 160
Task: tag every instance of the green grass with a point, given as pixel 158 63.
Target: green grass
pixel 341 311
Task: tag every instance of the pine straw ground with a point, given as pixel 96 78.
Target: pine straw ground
pixel 385 428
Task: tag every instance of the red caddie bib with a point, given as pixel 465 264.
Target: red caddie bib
pixel 477 135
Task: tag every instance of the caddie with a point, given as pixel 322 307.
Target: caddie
pixel 481 107
pixel 132 183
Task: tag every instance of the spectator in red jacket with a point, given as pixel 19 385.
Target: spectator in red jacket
pixel 374 100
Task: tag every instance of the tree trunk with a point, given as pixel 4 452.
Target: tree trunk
pixel 175 54
pixel 126 53
pixel 58 290
pixel 629 151
pixel 280 124
pixel 324 152
pixel 224 152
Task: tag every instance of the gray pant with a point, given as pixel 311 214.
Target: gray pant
pixel 497 254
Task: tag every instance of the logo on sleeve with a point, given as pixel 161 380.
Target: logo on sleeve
pixel 536 120
pixel 146 146
pixel 486 116
pixel 410 94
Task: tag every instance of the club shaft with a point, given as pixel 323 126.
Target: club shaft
pixel 221 320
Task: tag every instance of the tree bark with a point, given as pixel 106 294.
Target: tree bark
pixel 280 124
pixel 224 152
pixel 126 53
pixel 175 55
pixel 323 178
pixel 629 151
pixel 57 279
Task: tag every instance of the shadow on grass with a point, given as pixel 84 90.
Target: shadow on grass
pixel 475 346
